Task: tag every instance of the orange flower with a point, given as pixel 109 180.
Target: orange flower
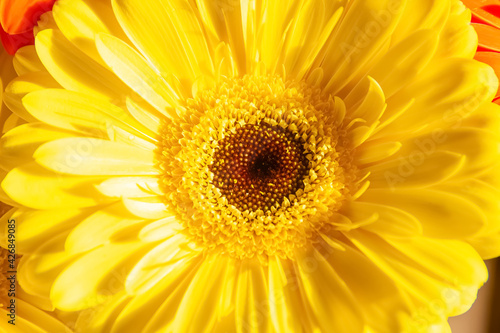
pixel 17 18
pixel 486 21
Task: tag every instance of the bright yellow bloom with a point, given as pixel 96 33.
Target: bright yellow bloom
pixel 254 166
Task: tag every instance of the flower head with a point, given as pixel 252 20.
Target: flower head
pixel 199 166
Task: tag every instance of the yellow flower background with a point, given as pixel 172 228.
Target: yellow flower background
pixel 253 166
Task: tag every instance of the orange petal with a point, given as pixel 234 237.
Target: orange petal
pixel 488 15
pixel 20 16
pixel 12 43
pixel 489 37
pixel 479 3
pixel 492 59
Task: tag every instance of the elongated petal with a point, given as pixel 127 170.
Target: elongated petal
pixel 96 285
pixel 81 113
pixel 98 228
pixel 168 34
pixel 23 85
pixel 18 145
pixel 26 61
pixel 62 59
pixel 34 227
pixel 416 171
pixel 161 301
pixel 446 271
pixel 136 73
pixel 353 44
pixel 252 311
pixel 38 271
pixel 332 304
pixel 28 12
pixel 200 298
pixel 285 305
pixel 167 258
pixel 80 22
pixel 390 220
pixel 87 156
pixel 436 211
pixel 35 187
pixel 130 187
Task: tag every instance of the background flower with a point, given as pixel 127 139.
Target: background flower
pixel 376 195
pixel 486 21
pixel 17 18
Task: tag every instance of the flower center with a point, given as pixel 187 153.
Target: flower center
pixel 254 166
pixel 258 166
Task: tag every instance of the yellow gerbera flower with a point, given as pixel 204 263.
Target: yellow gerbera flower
pixel 254 166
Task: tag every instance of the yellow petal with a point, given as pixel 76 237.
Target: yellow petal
pixel 366 101
pixel 480 147
pixel 26 61
pixel 95 275
pixel 378 297
pixel 116 134
pixel 201 297
pixel 137 74
pixel 161 302
pixel 22 85
pixel 100 319
pixel 81 113
pixel 34 317
pixel 88 156
pixel 98 228
pixel 425 14
pixel 487 244
pixel 436 211
pixel 416 170
pixel 167 258
pixel 326 294
pixel 80 22
pixel 38 271
pixel 169 36
pixel 36 187
pixel 306 40
pixel 390 221
pixel 42 303
pixel 371 152
pixel 160 229
pixel 18 145
pixel 361 33
pixel 273 34
pixel 63 61
pixel 284 304
pixel 148 207
pixel 12 122
pixel 34 227
pixel 458 38
pixel 483 194
pixel 403 62
pixel 252 311
pixel 225 22
pixel 144 116
pixel 129 187
pixel 449 91
pixel 444 272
